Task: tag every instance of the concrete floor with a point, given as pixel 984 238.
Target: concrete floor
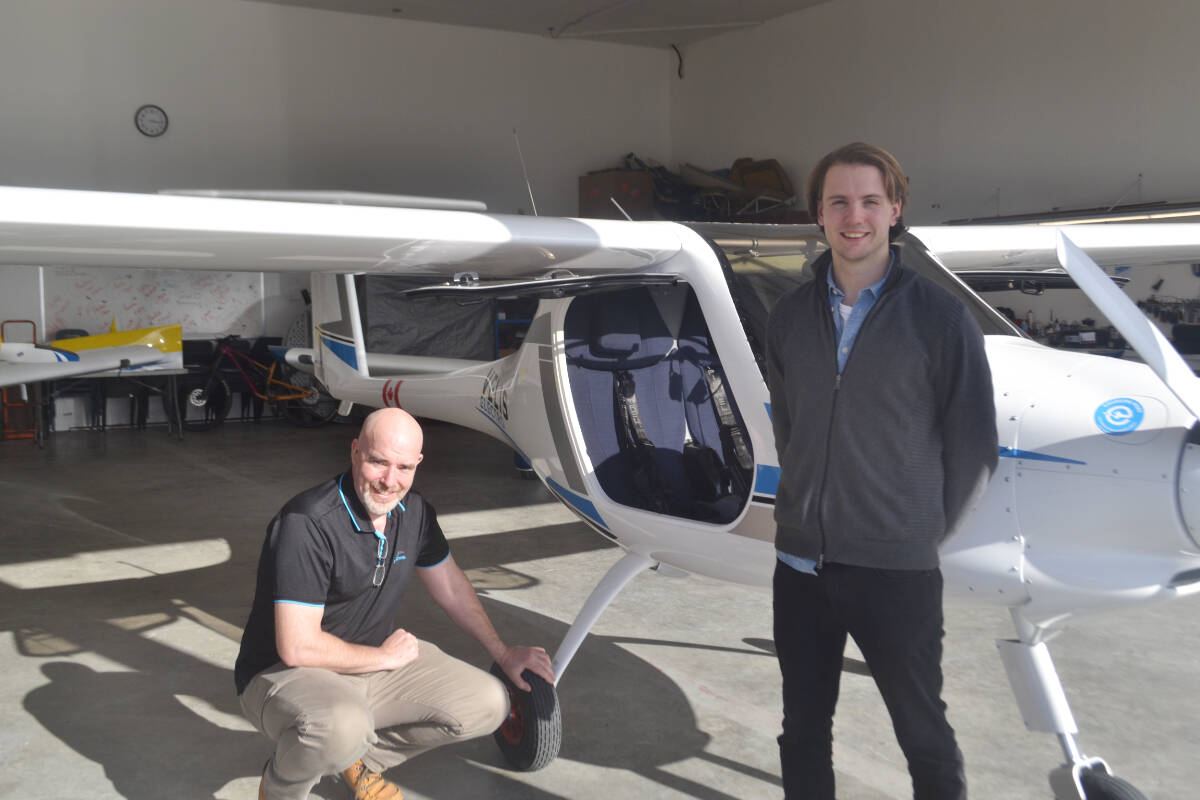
pixel 126 569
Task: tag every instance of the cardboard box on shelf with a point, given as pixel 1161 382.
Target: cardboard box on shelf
pixel 632 188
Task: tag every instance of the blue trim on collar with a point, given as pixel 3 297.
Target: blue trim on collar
pixel 354 519
pixel 346 504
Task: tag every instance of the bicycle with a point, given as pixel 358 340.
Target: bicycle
pixel 206 398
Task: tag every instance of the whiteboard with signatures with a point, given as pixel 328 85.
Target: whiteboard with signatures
pixel 204 303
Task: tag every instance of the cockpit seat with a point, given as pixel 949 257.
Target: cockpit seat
pixel 627 396
pixel 718 457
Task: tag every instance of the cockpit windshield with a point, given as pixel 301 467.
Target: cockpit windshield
pixel 762 268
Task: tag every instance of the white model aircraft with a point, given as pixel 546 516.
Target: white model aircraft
pixel 638 398
pixel 142 349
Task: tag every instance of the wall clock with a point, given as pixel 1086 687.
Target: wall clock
pixel 150 120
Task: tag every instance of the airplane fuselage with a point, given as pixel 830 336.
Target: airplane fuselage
pixel 1091 453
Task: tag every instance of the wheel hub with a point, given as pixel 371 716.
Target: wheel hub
pixel 513 727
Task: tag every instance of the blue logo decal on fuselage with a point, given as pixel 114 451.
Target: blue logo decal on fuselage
pixel 1119 416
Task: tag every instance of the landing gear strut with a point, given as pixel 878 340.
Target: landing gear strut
pixel 1044 707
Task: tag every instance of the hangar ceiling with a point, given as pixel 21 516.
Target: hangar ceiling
pixel 649 23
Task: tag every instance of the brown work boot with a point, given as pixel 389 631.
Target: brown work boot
pixel 368 785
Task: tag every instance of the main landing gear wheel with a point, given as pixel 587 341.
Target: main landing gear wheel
pixel 1099 785
pixel 202 406
pixel 531 735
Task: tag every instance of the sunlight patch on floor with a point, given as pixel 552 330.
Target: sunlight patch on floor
pixel 504 520
pixel 119 564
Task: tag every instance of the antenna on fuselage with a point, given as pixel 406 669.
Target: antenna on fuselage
pixel 618 205
pixel 525 172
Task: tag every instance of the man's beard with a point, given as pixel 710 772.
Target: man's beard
pixel 375 507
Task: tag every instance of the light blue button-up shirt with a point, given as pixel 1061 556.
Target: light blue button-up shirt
pixel 847 332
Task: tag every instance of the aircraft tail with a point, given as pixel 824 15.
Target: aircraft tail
pixel 351 374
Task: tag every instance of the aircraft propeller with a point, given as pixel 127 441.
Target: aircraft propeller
pixel 1127 318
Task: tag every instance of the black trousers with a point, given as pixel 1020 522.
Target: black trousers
pixel 895 617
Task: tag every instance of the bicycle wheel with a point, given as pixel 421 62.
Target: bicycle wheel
pixel 202 406
pixel 316 409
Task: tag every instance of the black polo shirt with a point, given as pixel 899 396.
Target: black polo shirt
pixel 321 551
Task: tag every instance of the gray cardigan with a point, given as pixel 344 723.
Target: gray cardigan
pixel 879 464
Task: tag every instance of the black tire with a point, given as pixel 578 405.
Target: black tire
pixel 524 469
pixel 530 738
pixel 308 412
pixel 200 406
pixel 1098 785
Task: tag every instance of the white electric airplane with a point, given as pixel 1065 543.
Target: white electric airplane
pixel 638 396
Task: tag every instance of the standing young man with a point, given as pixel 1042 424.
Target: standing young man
pixel 324 671
pixel 884 420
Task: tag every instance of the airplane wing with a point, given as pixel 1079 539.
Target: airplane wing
pixel 1035 246
pixel 107 229
pixel 1028 281
pixel 17 365
pixel 338 198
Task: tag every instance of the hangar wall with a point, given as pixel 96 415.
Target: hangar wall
pixel 992 108
pixel 267 96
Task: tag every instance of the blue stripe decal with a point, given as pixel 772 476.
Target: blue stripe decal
pixel 579 502
pixel 768 405
pixel 342 350
pixel 1029 455
pixel 298 603
pixel 508 438
pixel 766 480
pixel 576 501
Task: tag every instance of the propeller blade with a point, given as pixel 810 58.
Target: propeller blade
pixel 1140 332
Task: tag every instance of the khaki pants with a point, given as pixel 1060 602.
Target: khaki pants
pixel 322 722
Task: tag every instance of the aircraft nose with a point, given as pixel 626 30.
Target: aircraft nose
pixel 1189 484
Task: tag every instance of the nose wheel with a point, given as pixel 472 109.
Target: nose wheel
pixel 1044 707
pixel 531 735
pixel 1099 785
